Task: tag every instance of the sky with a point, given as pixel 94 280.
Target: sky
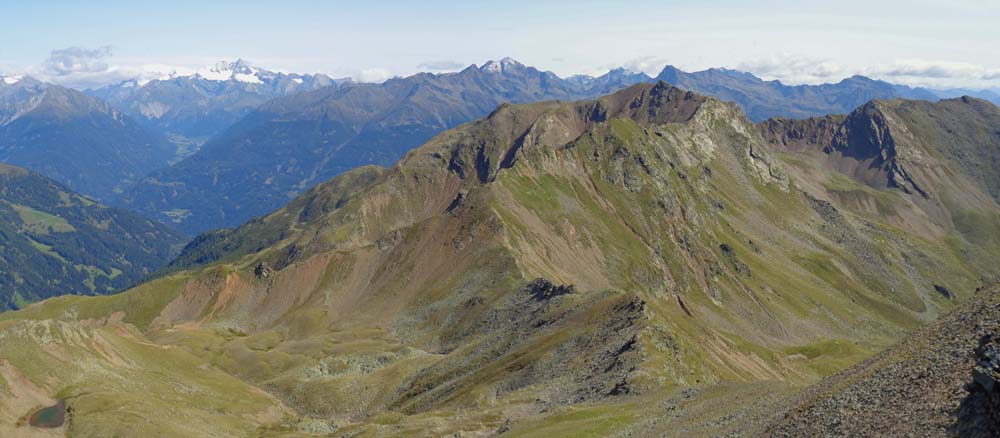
pixel 942 44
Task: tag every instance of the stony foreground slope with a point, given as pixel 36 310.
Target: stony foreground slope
pixel 924 386
pixel 554 268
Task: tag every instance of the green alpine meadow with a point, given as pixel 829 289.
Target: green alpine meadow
pixel 732 224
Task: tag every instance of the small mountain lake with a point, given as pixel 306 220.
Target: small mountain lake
pixel 52 416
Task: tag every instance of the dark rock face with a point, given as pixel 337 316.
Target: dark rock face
pixel 903 145
pixel 730 253
pixel 945 292
pixel 262 270
pixel 542 289
pixel 979 414
pixel 862 143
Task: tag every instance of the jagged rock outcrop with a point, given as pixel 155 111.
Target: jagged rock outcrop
pixel 979 413
pixel 542 289
pixel 902 144
pixel 861 144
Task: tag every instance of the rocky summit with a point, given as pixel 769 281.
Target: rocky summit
pixel 647 263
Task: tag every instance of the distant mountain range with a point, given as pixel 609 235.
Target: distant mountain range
pixel 291 143
pixel 762 99
pixel 55 242
pixel 191 109
pixel 269 136
pixel 75 139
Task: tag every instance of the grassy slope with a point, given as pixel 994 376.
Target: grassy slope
pixel 396 306
pixel 882 396
pixel 56 242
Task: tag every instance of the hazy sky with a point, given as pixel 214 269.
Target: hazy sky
pixel 917 42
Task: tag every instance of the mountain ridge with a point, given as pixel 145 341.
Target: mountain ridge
pixel 290 143
pixel 190 109
pixel 78 140
pixel 880 396
pixel 767 99
pixel 310 137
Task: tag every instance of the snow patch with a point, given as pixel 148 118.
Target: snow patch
pixel 240 71
pixel 500 66
pixel 492 67
pixel 153 110
pixel 11 80
pixel 216 73
pixel 248 78
pixel 297 80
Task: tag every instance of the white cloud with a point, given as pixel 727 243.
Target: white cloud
pixel 376 75
pixel 651 65
pixel 938 71
pixel 792 69
pixel 113 74
pixel 81 67
pixel 72 60
pixel 441 66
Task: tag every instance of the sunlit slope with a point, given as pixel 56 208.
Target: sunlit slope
pixel 547 260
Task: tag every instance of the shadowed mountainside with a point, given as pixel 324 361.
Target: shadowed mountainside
pixel 75 139
pixel 56 242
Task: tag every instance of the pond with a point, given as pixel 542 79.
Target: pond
pixel 52 416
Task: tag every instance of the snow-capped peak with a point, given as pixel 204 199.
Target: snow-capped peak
pixel 243 67
pixel 239 70
pixel 11 80
pixel 501 66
